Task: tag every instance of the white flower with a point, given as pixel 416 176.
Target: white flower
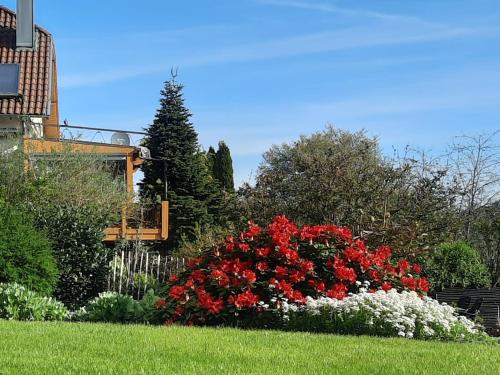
pixel 396 313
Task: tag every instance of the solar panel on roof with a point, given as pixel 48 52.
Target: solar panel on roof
pixel 9 80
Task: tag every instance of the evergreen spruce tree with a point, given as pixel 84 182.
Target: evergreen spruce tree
pixel 223 168
pixel 173 141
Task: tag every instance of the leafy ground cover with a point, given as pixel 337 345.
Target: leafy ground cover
pixel 51 348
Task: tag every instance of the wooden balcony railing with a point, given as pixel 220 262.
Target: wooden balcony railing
pixel 158 231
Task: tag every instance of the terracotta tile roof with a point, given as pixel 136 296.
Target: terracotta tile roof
pixel 35 68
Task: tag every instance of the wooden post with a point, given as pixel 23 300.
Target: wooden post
pixel 164 220
pixel 139 280
pixel 146 273
pixel 121 272
pixel 114 273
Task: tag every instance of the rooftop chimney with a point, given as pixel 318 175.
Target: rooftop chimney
pixel 25 26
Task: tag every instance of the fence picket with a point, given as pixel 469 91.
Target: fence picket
pixel 132 272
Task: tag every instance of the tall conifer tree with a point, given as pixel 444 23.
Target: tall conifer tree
pixel 211 160
pixel 223 168
pixel 179 166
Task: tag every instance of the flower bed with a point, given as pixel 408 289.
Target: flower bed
pixel 260 269
pixel 381 313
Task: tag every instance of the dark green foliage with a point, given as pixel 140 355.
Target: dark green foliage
pixel 83 261
pixel 336 176
pixel 456 264
pixel 20 303
pixel 25 254
pixel 211 155
pixel 112 307
pixel 223 168
pixel 192 194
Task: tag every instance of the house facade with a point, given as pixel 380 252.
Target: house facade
pixel 29 109
pixel 34 111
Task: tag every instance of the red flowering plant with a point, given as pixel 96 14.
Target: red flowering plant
pixel 256 271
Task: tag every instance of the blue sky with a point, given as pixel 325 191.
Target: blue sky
pixel 258 72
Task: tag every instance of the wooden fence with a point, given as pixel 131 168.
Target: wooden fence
pixel 134 272
pixel 490 309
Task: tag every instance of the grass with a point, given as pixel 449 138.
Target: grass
pixel 82 348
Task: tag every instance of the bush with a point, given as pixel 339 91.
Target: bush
pixel 118 308
pixel 25 254
pixel 404 314
pixel 456 264
pixel 83 260
pixel 253 273
pixel 73 196
pixel 19 303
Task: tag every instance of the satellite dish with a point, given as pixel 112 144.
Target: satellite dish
pixel 120 138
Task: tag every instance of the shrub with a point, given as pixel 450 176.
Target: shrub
pixel 253 273
pixel 83 261
pixel 404 314
pixel 118 308
pixel 456 264
pixel 72 196
pixel 19 303
pixel 25 254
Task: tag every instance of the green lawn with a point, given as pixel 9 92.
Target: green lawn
pixel 48 348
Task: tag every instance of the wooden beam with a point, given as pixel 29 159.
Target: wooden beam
pixel 164 220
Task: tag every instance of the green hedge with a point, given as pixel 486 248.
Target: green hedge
pixel 456 264
pixel 25 255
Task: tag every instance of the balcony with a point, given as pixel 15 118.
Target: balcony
pixel 123 150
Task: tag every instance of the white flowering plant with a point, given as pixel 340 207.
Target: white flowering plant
pixel 391 313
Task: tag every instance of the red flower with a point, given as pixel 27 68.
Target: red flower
pixel 281 272
pixel 253 230
pixel 365 263
pixel 409 282
pixel 352 254
pixel 199 276
pixel 361 245
pixel 177 292
pixel 249 276
pixel 239 266
pixel 262 266
pixel 290 255
pixel 390 270
pixel 194 262
pixel 244 300
pixel 173 278
pixel 386 286
pixel 160 304
pixel 263 252
pixel 423 284
pixel 229 244
pixel 307 266
pixel 381 255
pixel 416 268
pixel 375 275
pixel 297 276
pixel 320 287
pixel 403 266
pixel 244 247
pixel 297 296
pixel 337 291
pixel 346 274
pixel 207 302
pixel 221 278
